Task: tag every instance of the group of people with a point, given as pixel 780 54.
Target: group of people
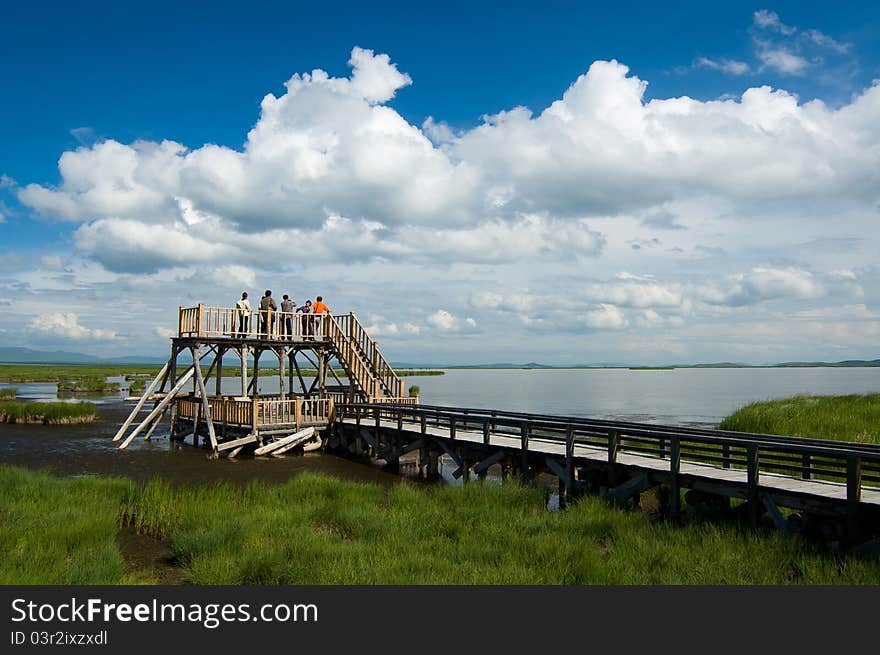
pixel 284 327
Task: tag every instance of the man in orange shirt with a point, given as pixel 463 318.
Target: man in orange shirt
pixel 319 308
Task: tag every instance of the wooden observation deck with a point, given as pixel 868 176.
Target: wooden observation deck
pixel 320 346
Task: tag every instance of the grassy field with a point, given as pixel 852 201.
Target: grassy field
pixel 87 385
pixel 848 418
pixel 51 373
pixel 17 411
pixel 38 373
pixel 319 530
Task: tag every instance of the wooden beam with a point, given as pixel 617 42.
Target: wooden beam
pixel 630 488
pixel 295 442
pixel 302 435
pixel 162 404
pixel 484 464
pixel 206 406
pixel 156 424
pixel 780 522
pixel 141 402
pixel 455 456
pixel 235 443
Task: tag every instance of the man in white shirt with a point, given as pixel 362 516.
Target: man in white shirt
pixel 243 309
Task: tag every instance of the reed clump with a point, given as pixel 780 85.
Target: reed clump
pixel 17 411
pixel 853 417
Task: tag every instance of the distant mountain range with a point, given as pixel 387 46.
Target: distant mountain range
pixel 29 356
pixel 10 355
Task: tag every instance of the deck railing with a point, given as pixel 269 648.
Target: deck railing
pixel 298 411
pixel 260 413
pixel 360 353
pixel 213 322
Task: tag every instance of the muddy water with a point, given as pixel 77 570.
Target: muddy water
pixel 78 450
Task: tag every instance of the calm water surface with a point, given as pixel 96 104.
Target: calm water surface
pixel 679 396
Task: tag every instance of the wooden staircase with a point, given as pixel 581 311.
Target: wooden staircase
pixel 367 369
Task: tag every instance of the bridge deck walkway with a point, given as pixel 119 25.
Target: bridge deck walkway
pixel 710 472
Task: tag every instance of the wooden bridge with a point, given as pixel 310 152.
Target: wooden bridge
pixel 798 482
pixel 833 486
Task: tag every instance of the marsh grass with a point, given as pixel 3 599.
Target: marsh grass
pixel 58 531
pixel 8 393
pixel 319 530
pixel 847 418
pixel 17 411
pixel 87 385
pixel 56 373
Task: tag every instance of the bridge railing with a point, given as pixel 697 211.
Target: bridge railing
pixel 851 464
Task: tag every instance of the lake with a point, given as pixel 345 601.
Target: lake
pixel 677 396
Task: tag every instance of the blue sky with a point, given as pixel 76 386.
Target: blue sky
pixel 601 230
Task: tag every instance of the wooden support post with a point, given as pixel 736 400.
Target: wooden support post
pixel 486 432
pixel 853 496
pixel 302 382
pixel 524 431
pixel 613 446
pixel 725 456
pixel 206 406
pixel 674 468
pixel 218 385
pixel 753 477
pixel 290 358
pixel 322 374
pixel 280 355
pixel 244 374
pixel 256 381
pixel 569 461
pixel 806 461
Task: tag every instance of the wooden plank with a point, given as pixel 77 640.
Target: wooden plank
pixel 236 443
pixel 268 448
pixel 296 442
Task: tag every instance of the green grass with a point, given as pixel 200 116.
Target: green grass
pixel 848 418
pixel 8 393
pixel 87 385
pixel 55 373
pixel 17 411
pixel 59 531
pixel 319 530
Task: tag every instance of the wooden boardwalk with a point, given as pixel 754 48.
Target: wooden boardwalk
pixel 837 481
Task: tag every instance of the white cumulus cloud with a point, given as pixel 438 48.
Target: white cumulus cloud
pixel 66 325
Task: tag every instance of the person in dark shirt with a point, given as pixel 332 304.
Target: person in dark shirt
pixel 287 306
pixel 306 311
pixel 267 306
